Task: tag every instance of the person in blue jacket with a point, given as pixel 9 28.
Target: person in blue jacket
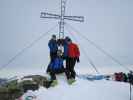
pixel 53 47
pixel 56 67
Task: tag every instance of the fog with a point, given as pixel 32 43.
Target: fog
pixel 108 23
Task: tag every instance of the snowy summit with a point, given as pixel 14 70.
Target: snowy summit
pixel 82 89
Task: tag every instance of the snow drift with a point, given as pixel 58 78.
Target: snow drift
pixel 82 90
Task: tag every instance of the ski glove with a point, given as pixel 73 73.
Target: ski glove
pixel 78 59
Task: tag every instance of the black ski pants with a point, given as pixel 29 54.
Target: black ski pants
pixel 53 55
pixel 70 64
pixel 54 72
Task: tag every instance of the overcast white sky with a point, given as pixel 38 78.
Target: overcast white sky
pixel 108 23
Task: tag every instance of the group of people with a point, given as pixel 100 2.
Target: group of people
pixel 62 50
pixel 124 77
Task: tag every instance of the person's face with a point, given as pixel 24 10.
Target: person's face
pixel 54 38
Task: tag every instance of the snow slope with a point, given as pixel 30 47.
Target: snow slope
pixel 83 90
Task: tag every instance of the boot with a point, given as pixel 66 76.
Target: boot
pixel 54 83
pixel 71 80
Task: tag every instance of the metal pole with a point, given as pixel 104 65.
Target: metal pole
pixel 61 23
pixel 130 76
pixel 130 91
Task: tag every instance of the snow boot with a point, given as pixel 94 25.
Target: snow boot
pixel 71 81
pixel 54 83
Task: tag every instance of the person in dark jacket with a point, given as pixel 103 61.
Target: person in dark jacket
pixel 73 56
pixel 53 47
pixel 65 54
pixel 130 77
pixel 56 67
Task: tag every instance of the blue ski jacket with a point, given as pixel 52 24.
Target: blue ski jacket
pixel 53 46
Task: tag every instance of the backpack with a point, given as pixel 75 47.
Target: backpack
pixel 57 64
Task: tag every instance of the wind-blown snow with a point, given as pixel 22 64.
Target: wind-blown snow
pixel 84 90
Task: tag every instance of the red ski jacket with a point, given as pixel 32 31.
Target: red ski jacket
pixel 73 50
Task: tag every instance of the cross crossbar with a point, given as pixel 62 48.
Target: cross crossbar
pixel 62 17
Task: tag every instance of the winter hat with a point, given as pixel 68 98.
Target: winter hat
pixel 66 38
pixel 53 36
pixel 69 40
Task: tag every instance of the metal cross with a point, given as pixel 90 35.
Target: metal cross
pixel 61 18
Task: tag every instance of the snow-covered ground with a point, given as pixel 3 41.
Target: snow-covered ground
pixel 83 90
pixel 20 71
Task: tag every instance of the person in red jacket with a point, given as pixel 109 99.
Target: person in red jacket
pixel 73 56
